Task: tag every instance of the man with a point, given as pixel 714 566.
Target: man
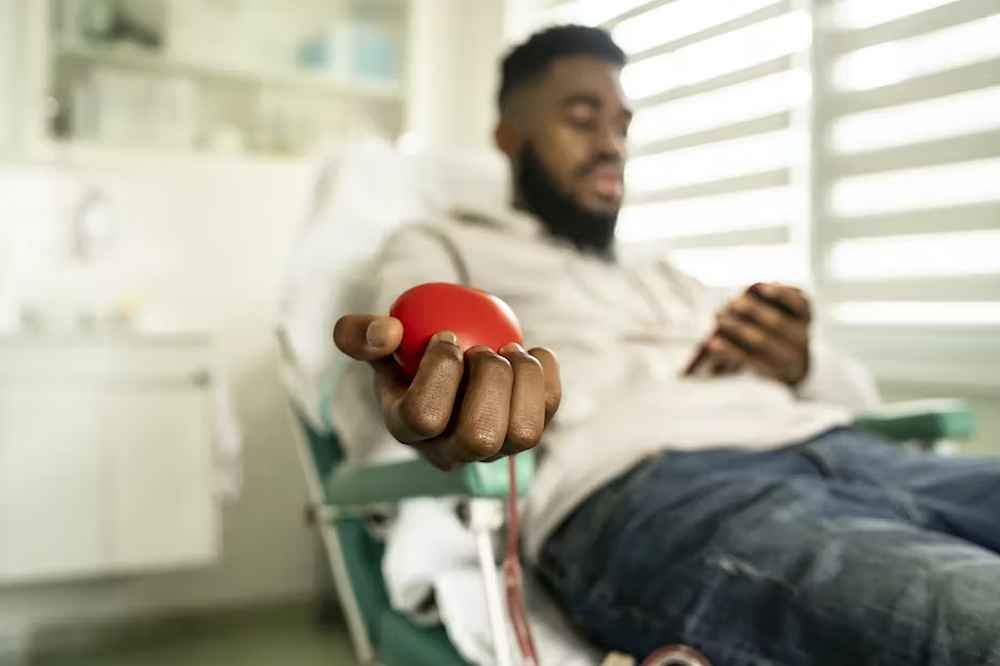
pixel 732 508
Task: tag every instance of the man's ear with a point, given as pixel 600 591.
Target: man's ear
pixel 508 138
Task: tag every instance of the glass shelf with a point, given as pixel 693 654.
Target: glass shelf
pixel 261 77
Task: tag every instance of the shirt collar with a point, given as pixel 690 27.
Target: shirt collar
pixel 510 219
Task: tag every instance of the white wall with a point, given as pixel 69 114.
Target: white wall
pixel 210 240
pixel 454 58
pixel 10 22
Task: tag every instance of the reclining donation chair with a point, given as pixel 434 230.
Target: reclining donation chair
pixel 340 495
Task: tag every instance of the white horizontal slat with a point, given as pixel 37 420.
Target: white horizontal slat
pixel 923 352
pixel 937 84
pixel 753 99
pixel 927 120
pixel 777 235
pixel 892 62
pixel 768 207
pixel 917 189
pixel 947 357
pixel 861 14
pixel 973 217
pixel 921 22
pixel 743 265
pixel 935 255
pixel 769 123
pixel 622 11
pixel 591 12
pixel 967 148
pixel 973 377
pixel 743 75
pixel 964 342
pixel 919 313
pixel 713 161
pixel 713 23
pixel 718 56
pixel 753 181
pixel 961 289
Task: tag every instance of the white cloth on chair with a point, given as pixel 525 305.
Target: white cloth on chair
pixel 430 552
pixel 425 539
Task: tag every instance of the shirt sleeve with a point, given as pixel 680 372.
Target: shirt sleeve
pixel 414 255
pixel 411 256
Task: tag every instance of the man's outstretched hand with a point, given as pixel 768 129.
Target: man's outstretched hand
pixel 766 329
pixel 458 408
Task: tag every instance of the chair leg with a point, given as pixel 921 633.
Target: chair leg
pixel 486 516
pixel 324 519
pixel 363 649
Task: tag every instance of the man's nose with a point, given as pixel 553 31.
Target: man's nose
pixel 609 143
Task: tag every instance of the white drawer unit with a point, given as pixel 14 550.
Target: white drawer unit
pixel 106 463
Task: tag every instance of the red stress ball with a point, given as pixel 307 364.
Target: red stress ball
pixel 476 317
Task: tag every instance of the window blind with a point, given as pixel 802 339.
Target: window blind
pixel 849 145
pixel 907 201
pixel 718 87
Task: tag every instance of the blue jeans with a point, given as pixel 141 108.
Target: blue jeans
pixel 840 551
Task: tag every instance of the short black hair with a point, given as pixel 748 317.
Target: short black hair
pixel 528 60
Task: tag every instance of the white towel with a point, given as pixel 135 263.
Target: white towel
pixel 429 550
pixel 425 539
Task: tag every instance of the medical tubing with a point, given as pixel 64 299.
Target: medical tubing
pixel 512 574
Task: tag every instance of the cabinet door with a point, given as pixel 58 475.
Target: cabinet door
pixel 52 482
pixel 103 477
pixel 162 511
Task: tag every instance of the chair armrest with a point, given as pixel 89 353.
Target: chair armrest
pixel 377 484
pixel 924 420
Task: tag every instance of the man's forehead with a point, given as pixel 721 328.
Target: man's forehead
pixel 571 75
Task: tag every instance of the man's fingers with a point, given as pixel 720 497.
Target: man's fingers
pixel 720 367
pixel 553 383
pixel 485 411
pixel 456 409
pixel 771 319
pixel 792 298
pixel 766 353
pixel 367 337
pixel 424 410
pixel 527 400
pixel 757 341
pixel 727 352
pixel 439 452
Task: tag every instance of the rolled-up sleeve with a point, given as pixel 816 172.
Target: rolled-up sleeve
pixel 411 256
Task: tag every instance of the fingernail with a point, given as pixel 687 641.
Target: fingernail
pixel 374 334
pixel 445 336
pixel 511 347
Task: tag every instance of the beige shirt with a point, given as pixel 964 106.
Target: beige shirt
pixel 623 334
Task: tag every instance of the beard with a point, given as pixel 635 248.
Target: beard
pixel 562 216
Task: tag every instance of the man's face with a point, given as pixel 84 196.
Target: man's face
pixel 576 121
